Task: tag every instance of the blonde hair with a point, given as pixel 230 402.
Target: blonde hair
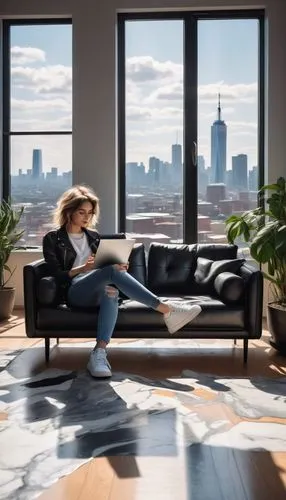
pixel 71 200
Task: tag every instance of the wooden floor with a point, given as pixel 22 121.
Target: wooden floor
pixel 194 474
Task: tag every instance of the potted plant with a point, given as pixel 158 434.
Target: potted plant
pixel 264 228
pixel 9 237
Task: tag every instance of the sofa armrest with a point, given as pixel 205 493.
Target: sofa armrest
pixel 48 291
pixel 253 279
pixel 32 273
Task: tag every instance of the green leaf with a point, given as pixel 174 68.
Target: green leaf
pixel 9 236
pixel 268 187
pixel 245 230
pixel 234 231
pixel 271 269
pixel 265 230
pixel 232 218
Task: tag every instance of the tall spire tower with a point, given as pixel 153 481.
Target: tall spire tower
pixel 219 109
pixel 218 147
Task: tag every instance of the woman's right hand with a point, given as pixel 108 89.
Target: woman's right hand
pixel 121 267
pixel 89 265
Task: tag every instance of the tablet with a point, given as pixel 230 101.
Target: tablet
pixel 113 251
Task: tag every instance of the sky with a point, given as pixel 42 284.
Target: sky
pixel 41 89
pixel 41 94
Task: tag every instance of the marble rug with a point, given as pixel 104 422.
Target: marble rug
pixel 57 420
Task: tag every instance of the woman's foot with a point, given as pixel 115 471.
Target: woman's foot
pixel 180 315
pixel 98 365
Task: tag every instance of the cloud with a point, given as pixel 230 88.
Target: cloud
pixel 242 125
pixel 33 124
pixel 242 92
pixel 163 81
pixel 172 92
pixel 26 55
pixel 145 69
pixel 52 114
pixel 207 94
pixel 165 129
pixel 244 133
pixel 40 105
pixel 213 114
pixel 46 80
pixel 133 93
pixel 137 113
pixel 142 113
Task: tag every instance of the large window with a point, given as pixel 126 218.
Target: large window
pixel 37 145
pixel 228 122
pixel 191 122
pixel 154 129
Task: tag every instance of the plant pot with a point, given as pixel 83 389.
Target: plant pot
pixel 7 300
pixel 276 318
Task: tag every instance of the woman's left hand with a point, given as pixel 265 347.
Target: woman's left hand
pixel 121 267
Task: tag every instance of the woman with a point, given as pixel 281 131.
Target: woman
pixel 70 253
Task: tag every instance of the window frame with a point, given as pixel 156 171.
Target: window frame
pixel 6 96
pixel 191 19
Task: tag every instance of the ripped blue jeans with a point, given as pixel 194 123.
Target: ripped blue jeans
pixel 89 289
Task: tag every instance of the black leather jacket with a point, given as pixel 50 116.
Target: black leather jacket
pixel 60 255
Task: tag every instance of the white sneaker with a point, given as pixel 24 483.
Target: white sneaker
pixel 98 365
pixel 180 315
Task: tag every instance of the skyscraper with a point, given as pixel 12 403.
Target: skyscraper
pixel 239 172
pixel 154 170
pixel 201 163
pixel 37 167
pixel 218 148
pixel 176 155
pixel 253 179
pixel 177 162
pixel 203 178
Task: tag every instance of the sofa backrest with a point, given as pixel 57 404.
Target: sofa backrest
pixel 137 263
pixel 171 268
pixel 216 251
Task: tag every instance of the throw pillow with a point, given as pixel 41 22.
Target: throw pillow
pixel 207 270
pixel 229 287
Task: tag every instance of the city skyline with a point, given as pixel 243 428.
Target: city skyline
pixel 217 165
pixel 153 196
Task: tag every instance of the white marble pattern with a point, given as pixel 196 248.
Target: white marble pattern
pixel 58 420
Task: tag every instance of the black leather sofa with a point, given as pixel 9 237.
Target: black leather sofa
pixel 231 301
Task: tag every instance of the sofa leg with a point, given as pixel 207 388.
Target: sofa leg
pixel 58 340
pixel 234 341
pixel 245 350
pixel 47 349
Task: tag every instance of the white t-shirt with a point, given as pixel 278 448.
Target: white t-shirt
pixel 81 247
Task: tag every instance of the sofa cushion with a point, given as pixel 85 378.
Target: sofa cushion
pixel 216 251
pixel 229 287
pixel 134 317
pixel 215 316
pixel 171 268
